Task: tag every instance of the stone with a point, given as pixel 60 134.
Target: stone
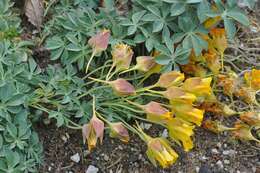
pixel 75 158
pixel 220 164
pixel 165 133
pixel 214 151
pixel 92 169
pixel 106 158
pixel 227 162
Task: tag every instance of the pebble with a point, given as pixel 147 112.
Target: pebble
pixel 146 126
pixel 220 164
pixel 227 162
pixel 204 158
pixel 92 169
pixel 75 158
pixel 219 145
pixel 205 169
pixel 214 151
pixel 106 158
pixel 197 169
pixel 120 147
pixel 165 133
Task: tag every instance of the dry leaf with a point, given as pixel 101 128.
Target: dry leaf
pixel 34 10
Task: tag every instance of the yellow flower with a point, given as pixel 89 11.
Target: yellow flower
pixel 182 131
pixel 119 131
pixel 198 86
pixel 188 113
pixel 179 95
pixel 122 56
pixel 253 79
pixel 156 113
pixel 159 150
pixel 170 79
pixel 92 131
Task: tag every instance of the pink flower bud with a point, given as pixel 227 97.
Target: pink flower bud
pixel 119 131
pixel 122 87
pixel 99 42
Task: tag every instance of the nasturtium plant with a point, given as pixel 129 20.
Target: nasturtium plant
pixel 101 56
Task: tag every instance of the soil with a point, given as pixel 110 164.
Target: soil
pixel 211 154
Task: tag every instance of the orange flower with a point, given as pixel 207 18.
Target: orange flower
pixel 122 87
pixel 92 131
pixel 253 79
pixel 169 79
pixel 119 131
pixel 156 113
pixel 228 83
pixel 99 42
pixel 122 56
pixel 248 94
pixel 212 61
pixel 243 132
pixel 219 40
pixel 180 130
pixel 215 126
pixel 251 118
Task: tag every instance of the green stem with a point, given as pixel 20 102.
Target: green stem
pixel 110 70
pixel 91 58
pixel 94 71
pixel 91 90
pixel 131 69
pixel 122 106
pixel 99 80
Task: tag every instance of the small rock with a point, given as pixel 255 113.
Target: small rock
pixel 49 168
pixel 120 147
pixel 205 169
pixel 227 162
pixel 225 145
pixel 106 158
pixel 220 164
pixel 197 169
pixel 165 133
pixel 146 126
pixel 214 151
pixel 64 138
pixel 219 145
pixel 226 152
pixel 204 158
pixel 92 169
pixel 75 158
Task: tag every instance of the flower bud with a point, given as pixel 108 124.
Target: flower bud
pixel 156 113
pixel 99 42
pixel 92 131
pixel 122 56
pixel 119 131
pixel 179 95
pixel 170 79
pixel 122 87
pixel 145 63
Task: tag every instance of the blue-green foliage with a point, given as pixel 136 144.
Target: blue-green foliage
pixel 158 24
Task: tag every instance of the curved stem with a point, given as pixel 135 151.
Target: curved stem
pixel 91 58
pixel 94 71
pixel 110 70
pixel 131 69
pixel 91 90
pixel 99 80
